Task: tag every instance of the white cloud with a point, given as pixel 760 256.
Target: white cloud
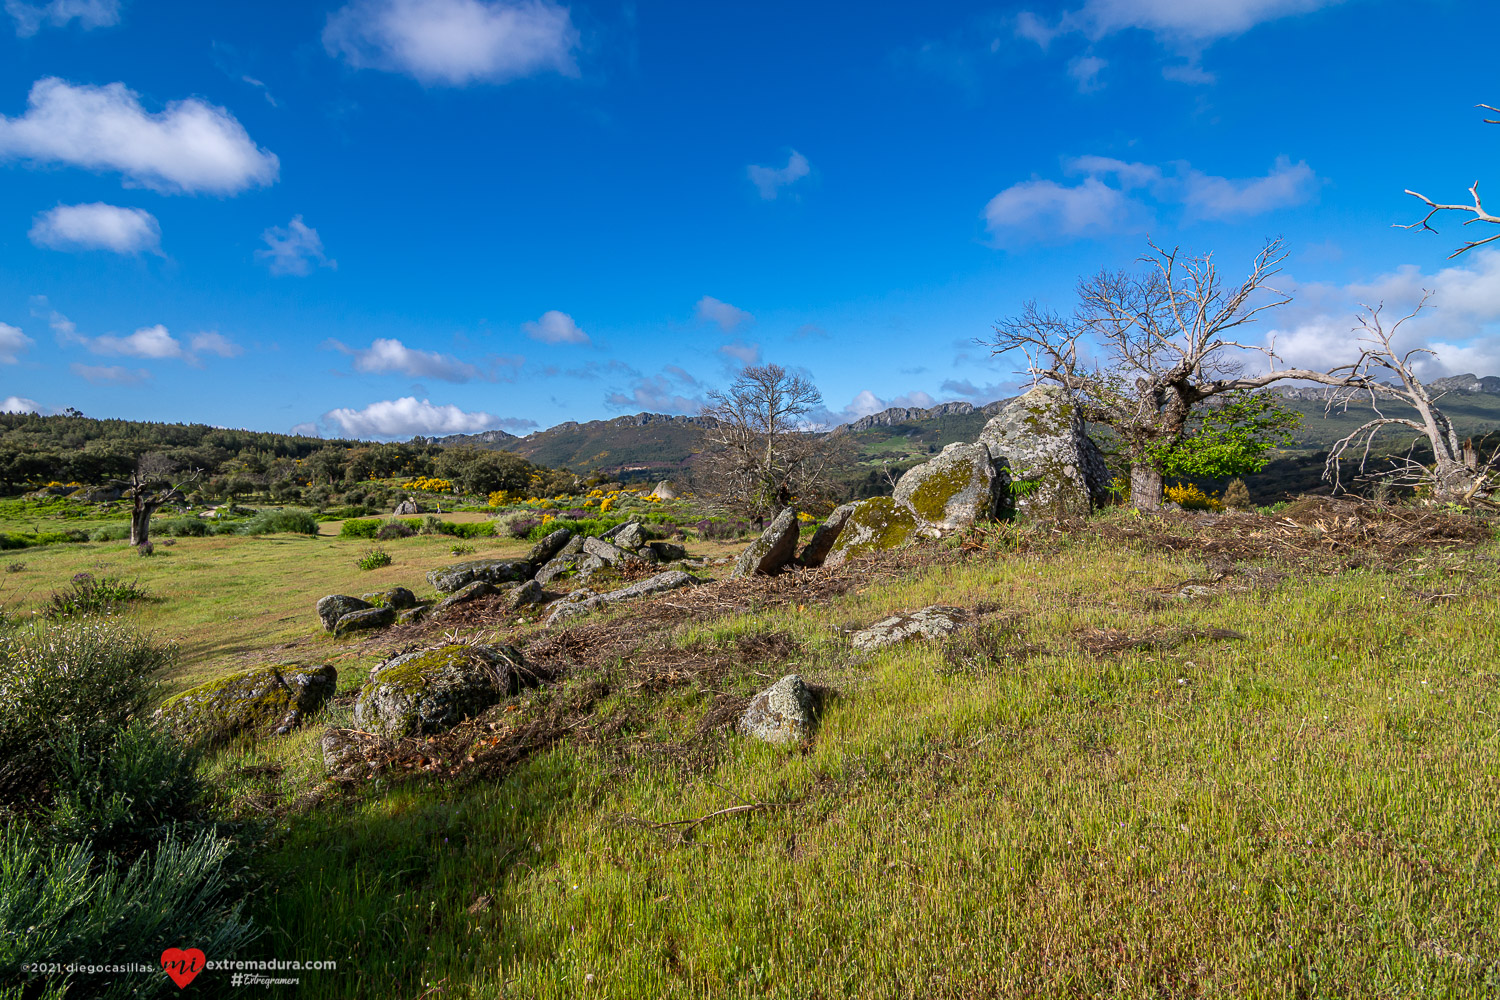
pixel 659 393
pixel 32 17
pixel 13 343
pixel 110 374
pixel 147 342
pixel 1085 72
pixel 189 147
pixel 97 226
pixel 986 392
pixel 455 42
pixel 555 328
pixel 770 180
pixel 1104 202
pixel 711 310
pixel 1188 21
pixel 738 350
pixel 294 250
pixel 388 356
pixel 866 403
pixel 213 342
pixel 306 429
pixel 408 416
pixel 20 404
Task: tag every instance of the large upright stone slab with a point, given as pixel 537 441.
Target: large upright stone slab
pixel 773 549
pixel 1049 465
pixel 874 525
pixel 953 489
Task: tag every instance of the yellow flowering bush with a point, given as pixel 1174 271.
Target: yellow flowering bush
pixel 805 517
pixel 499 498
pixel 1192 498
pixel 430 485
pixel 606 504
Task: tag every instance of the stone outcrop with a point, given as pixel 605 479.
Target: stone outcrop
pixel 432 690
pixel 786 712
pixel 335 606
pixel 468 592
pixel 931 622
pixel 660 583
pixel 874 525
pixel 773 549
pixel 1051 467
pixel 664 491
pixel 549 547
pixel 407 508
pixel 448 579
pixel 817 548
pixel 363 621
pixel 263 701
pixel 953 489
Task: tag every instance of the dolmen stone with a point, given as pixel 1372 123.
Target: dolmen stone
pixel 468 592
pixel 953 489
pixel 1040 446
pixel 774 548
pixel 432 690
pixel 785 712
pixel 931 622
pixel 874 525
pixel 447 579
pixel 817 548
pixel 549 546
pixel 263 701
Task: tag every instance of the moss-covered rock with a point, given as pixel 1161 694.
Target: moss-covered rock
pixel 953 489
pixel 263 701
pixel 468 592
pixel 773 549
pixel 874 525
pixel 549 546
pixel 335 606
pixel 448 579
pixel 432 690
pixel 1046 461
pixel 365 621
pixel 783 713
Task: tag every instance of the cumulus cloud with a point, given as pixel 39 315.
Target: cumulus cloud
pixel 110 374
pixel 154 343
pixel 1461 323
pixel 20 404
pixel 97 226
pixel 1085 72
pixel 741 352
pixel 1116 196
pixel 455 42
pixel 711 310
pixel 408 416
pixel 388 356
pixel 1180 23
pixel 32 17
pixel 305 429
pixel 189 147
pixel 555 328
pixel 866 403
pixel 147 342
pixel 295 249
pixel 770 180
pixel 13 343
pixel 664 393
pixel 213 342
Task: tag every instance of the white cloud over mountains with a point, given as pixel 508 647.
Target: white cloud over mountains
pixel 97 226
pixel 770 180
pixel 555 327
pixel 1116 196
pixel 455 42
pixel 408 416
pixel 189 147
pixel 32 17
pixel 294 250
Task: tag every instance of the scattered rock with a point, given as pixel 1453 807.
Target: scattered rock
pixel 931 622
pixel 432 690
pixel 1046 461
pixel 448 579
pixel 335 606
pixel 412 615
pixel 1194 590
pixel 529 592
pixel 363 621
pixel 469 592
pixel 265 700
pixel 817 548
pixel 785 712
pixel 954 489
pixel 549 546
pixel 608 553
pixel 407 507
pixel 400 598
pixel 555 568
pixel 628 536
pixel 664 491
pixel 873 525
pixel 667 551
pixel 773 549
pixel 589 565
pixel 660 583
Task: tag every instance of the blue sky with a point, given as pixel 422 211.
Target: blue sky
pixel 393 217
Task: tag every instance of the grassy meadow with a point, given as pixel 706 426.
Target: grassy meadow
pixel 1281 785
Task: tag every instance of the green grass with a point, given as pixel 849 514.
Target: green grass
pixel 1305 812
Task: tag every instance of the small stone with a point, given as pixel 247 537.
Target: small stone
pixel 335 606
pixel 470 592
pixel 931 622
pixel 549 546
pixel 400 598
pixel 783 713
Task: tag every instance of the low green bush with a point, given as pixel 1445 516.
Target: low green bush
pixel 110 533
pixel 299 522
pixel 183 527
pixel 374 559
pixel 394 529
pixel 360 527
pixel 88 594
pixel 474 529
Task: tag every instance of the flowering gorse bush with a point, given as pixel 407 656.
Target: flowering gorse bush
pixel 429 484
pixel 1191 497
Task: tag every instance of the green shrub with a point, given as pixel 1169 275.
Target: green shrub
pixel 360 527
pixel 183 527
pixel 91 595
pixel 110 533
pixel 474 529
pixel 9 541
pixel 461 550
pixel 85 680
pixel 299 522
pixel 126 795
pixel 394 529
pixel 374 559
pixel 62 903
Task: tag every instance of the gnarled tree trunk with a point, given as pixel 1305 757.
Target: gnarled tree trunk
pixel 1145 487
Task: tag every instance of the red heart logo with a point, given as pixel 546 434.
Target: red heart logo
pixel 183 966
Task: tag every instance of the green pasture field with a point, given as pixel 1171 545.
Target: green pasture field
pixel 1083 796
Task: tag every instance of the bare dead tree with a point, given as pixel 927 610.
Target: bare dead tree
pixel 1139 351
pixel 1478 209
pixel 763 453
pixel 1456 473
pixel 156 481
